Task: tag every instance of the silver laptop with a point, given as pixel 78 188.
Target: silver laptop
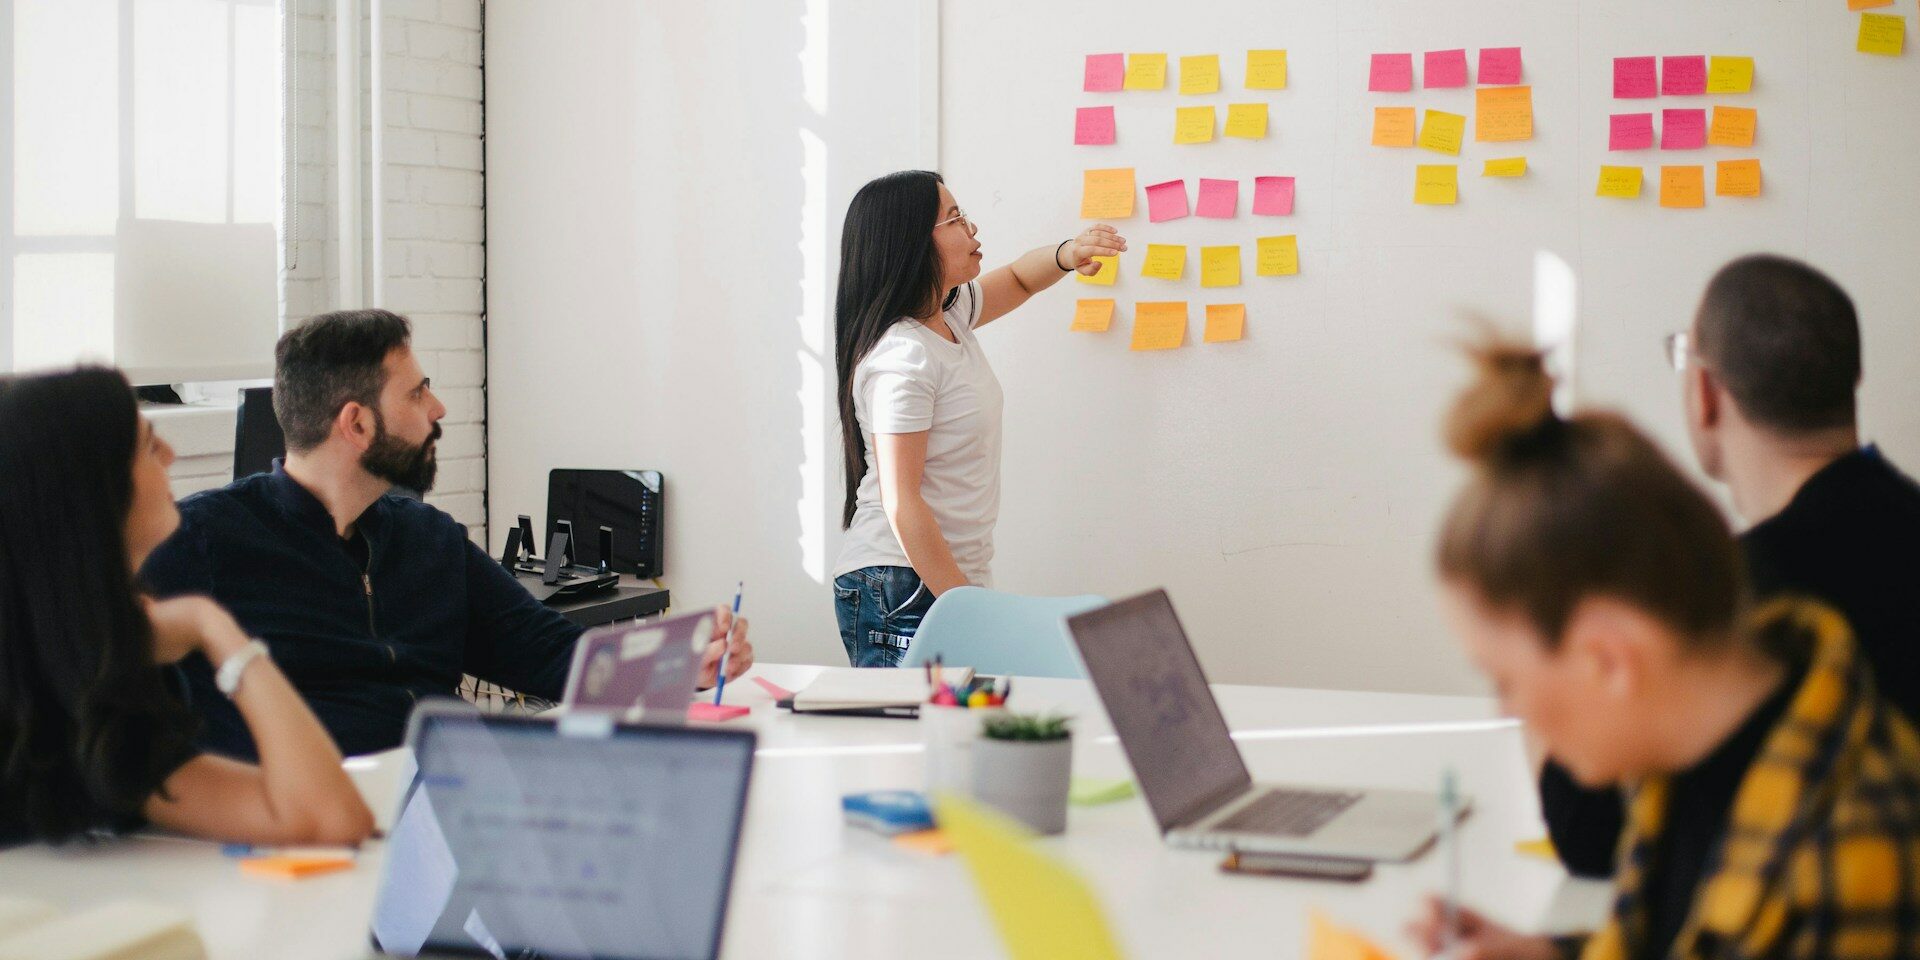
pixel 638 671
pixel 524 837
pixel 1191 772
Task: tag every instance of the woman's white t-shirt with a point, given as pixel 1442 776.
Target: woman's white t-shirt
pixel 915 380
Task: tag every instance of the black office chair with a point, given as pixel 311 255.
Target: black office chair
pixel 257 440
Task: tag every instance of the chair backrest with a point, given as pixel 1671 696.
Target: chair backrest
pixel 1000 633
pixel 257 440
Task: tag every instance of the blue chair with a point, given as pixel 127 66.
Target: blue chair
pixel 1001 634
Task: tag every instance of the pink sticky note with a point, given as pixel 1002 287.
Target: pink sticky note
pixel 1499 64
pixel 1167 201
pixel 1445 68
pixel 773 690
pixel 1634 78
pixel 1219 199
pixel 1273 196
pixel 1683 76
pixel 1392 72
pixel 708 712
pixel 1093 125
pixel 1630 131
pixel 1683 129
pixel 1105 71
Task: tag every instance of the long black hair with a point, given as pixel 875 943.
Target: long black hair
pixel 88 727
pixel 889 270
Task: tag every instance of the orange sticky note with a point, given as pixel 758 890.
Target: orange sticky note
pixel 1159 325
pixel 1683 186
pixel 1736 178
pixel 1619 182
pixel 1225 322
pixel 1092 316
pixel 933 843
pixel 1393 126
pixel 1868 4
pixel 1107 194
pixel 293 868
pixel 1732 126
pixel 1327 940
pixel 1503 113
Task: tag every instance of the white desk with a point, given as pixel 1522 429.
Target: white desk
pixel 808 887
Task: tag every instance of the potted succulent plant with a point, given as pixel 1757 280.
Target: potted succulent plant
pixel 1023 766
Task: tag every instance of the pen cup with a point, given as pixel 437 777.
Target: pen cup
pixel 949 734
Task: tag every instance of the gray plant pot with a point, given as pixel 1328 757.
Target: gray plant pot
pixel 1025 779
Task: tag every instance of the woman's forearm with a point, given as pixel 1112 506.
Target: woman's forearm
pixel 926 547
pixel 1039 268
pixel 300 767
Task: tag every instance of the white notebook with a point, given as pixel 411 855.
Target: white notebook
pixel 854 688
pixel 123 930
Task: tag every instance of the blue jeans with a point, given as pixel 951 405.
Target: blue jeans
pixel 879 609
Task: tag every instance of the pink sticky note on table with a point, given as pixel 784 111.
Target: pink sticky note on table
pixel 1635 78
pixel 1499 64
pixel 1105 71
pixel 1445 68
pixel 708 712
pixel 1683 76
pixel 1391 73
pixel 1167 201
pixel 773 690
pixel 1683 129
pixel 1219 199
pixel 1093 125
pixel 1273 196
pixel 1630 131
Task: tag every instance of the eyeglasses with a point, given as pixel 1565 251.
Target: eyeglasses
pixel 961 216
pixel 1679 350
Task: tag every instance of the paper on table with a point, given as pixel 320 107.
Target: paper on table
pixel 1393 126
pixel 1193 124
pixel 1106 276
pixel 1092 316
pixel 1633 78
pixel 1736 178
pixel 1502 114
pixel 1273 196
pixel 1732 126
pixel 1277 256
pixel 1093 125
pixel 1683 76
pixel 1445 68
pixel 1220 266
pixel 1684 186
pixel 1105 72
pixel 1630 131
pixel 1226 322
pixel 1499 65
pixel 1158 326
pixel 1146 71
pixel 1266 70
pixel 1327 940
pixel 1219 199
pixel 1107 194
pixel 1165 261
pixel 420 863
pixel 1042 909
pixel 1442 132
pixel 1683 129
pixel 1505 167
pixel 1200 74
pixel 1621 182
pixel 1248 121
pixel 1436 184
pixel 1391 73
pixel 1882 34
pixel 851 687
pixel 706 711
pixel 1167 201
pixel 1730 75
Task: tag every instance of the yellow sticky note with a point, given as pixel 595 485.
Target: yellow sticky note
pixel 1108 274
pixel 1225 322
pixel 1042 909
pixel 1277 256
pixel 1505 167
pixel 1683 186
pixel 1503 113
pixel 1622 182
pixel 1220 266
pixel 1736 178
pixel 1393 126
pixel 1247 120
pixel 1882 34
pixel 1107 194
pixel 1158 326
pixel 1193 124
pixel 1436 183
pixel 1327 940
pixel 1146 71
pixel 1730 75
pixel 1092 316
pixel 1165 261
pixel 1200 74
pixel 1442 132
pixel 1540 848
pixel 1266 69
pixel 1732 127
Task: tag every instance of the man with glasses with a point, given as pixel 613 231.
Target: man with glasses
pixel 1769 372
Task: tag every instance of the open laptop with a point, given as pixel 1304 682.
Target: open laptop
pixel 638 671
pixel 1185 759
pixel 524 837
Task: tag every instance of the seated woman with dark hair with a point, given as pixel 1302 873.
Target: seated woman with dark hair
pixel 92 736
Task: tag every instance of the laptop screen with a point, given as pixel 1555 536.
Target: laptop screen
pixel 517 840
pixel 1181 750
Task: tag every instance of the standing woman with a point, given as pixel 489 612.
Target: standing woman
pixel 919 406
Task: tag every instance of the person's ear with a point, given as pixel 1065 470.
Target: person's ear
pixel 355 423
pixel 1707 400
pixel 1613 644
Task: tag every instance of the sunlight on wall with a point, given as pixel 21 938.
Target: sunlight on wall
pixel 815 466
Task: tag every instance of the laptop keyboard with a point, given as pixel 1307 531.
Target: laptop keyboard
pixel 1287 813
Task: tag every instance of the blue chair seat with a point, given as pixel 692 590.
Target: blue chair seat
pixel 1000 633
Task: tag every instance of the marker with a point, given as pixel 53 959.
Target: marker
pixel 1450 841
pixel 720 686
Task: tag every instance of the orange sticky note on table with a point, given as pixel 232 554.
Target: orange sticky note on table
pixel 1159 325
pixel 933 843
pixel 1442 132
pixel 1732 126
pixel 1225 322
pixel 1277 256
pixel 1736 178
pixel 1092 316
pixel 1503 113
pixel 1619 182
pixel 1393 126
pixel 293 868
pixel 1220 266
pixel 1683 186
pixel 1327 940
pixel 1107 194
pixel 1436 184
pixel 1106 276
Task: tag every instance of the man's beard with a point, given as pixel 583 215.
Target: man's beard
pixel 392 460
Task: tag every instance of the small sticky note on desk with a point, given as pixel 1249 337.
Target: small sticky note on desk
pixel 1503 114
pixel 1166 201
pixel 1442 132
pixel 1165 261
pixel 1200 74
pixel 1436 184
pixel 294 868
pixel 1736 178
pixel 1634 78
pixel 705 711
pixel 1732 126
pixel 1683 129
pixel 1684 186
pixel 1093 791
pixel 1107 194
pixel 1093 125
pixel 1683 76
pixel 1226 322
pixel 1391 73
pixel 1499 65
pixel 1105 72
pixel 1881 34
pixel 1630 131
pixel 1868 4
pixel 1159 325
pixel 1505 167
pixel 1730 75
pixel 933 843
pixel 1266 70
pixel 1327 940
pixel 1273 196
pixel 1247 121
pixel 1220 266
pixel 1445 68
pixel 1146 71
pixel 1277 256
pixel 1106 276
pixel 1619 182
pixel 1193 124
pixel 1219 199
pixel 1092 316
pixel 1393 126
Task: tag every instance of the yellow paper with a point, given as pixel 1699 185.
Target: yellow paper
pixel 1109 272
pixel 1442 132
pixel 1158 326
pixel 1730 75
pixel 1393 126
pixel 1502 114
pixel 1505 167
pixel 1146 71
pixel 1200 74
pixel 1165 261
pixel 1436 183
pixel 1225 322
pixel 1247 120
pixel 1042 909
pixel 1623 182
pixel 1107 194
pixel 1327 940
pixel 1683 186
pixel 1277 256
pixel 1882 34
pixel 1266 69
pixel 1220 266
pixel 1540 848
pixel 1193 125
pixel 1736 178
pixel 1732 127
pixel 1092 316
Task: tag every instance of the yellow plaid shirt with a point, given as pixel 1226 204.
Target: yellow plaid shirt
pixel 1821 857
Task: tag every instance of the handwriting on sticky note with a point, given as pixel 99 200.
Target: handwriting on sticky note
pixel 1732 126
pixel 1220 266
pixel 1248 121
pixel 1683 76
pixel 1683 186
pixel 1391 73
pixel 1159 325
pixel 1092 316
pixel 1683 129
pixel 1266 70
pixel 1226 322
pixel 1166 201
pixel 1505 167
pixel 1393 126
pixel 1165 261
pixel 1630 131
pixel 1200 74
pixel 1273 196
pixel 1193 124
pixel 1503 114
pixel 1619 182
pixel 1093 125
pixel 1277 256
pixel 1106 276
pixel 1105 72
pixel 1436 184
pixel 1736 178
pixel 1445 68
pixel 1633 78
pixel 1219 199
pixel 1881 34
pixel 1442 132
pixel 1146 71
pixel 1107 194
pixel 1730 75
pixel 1500 65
